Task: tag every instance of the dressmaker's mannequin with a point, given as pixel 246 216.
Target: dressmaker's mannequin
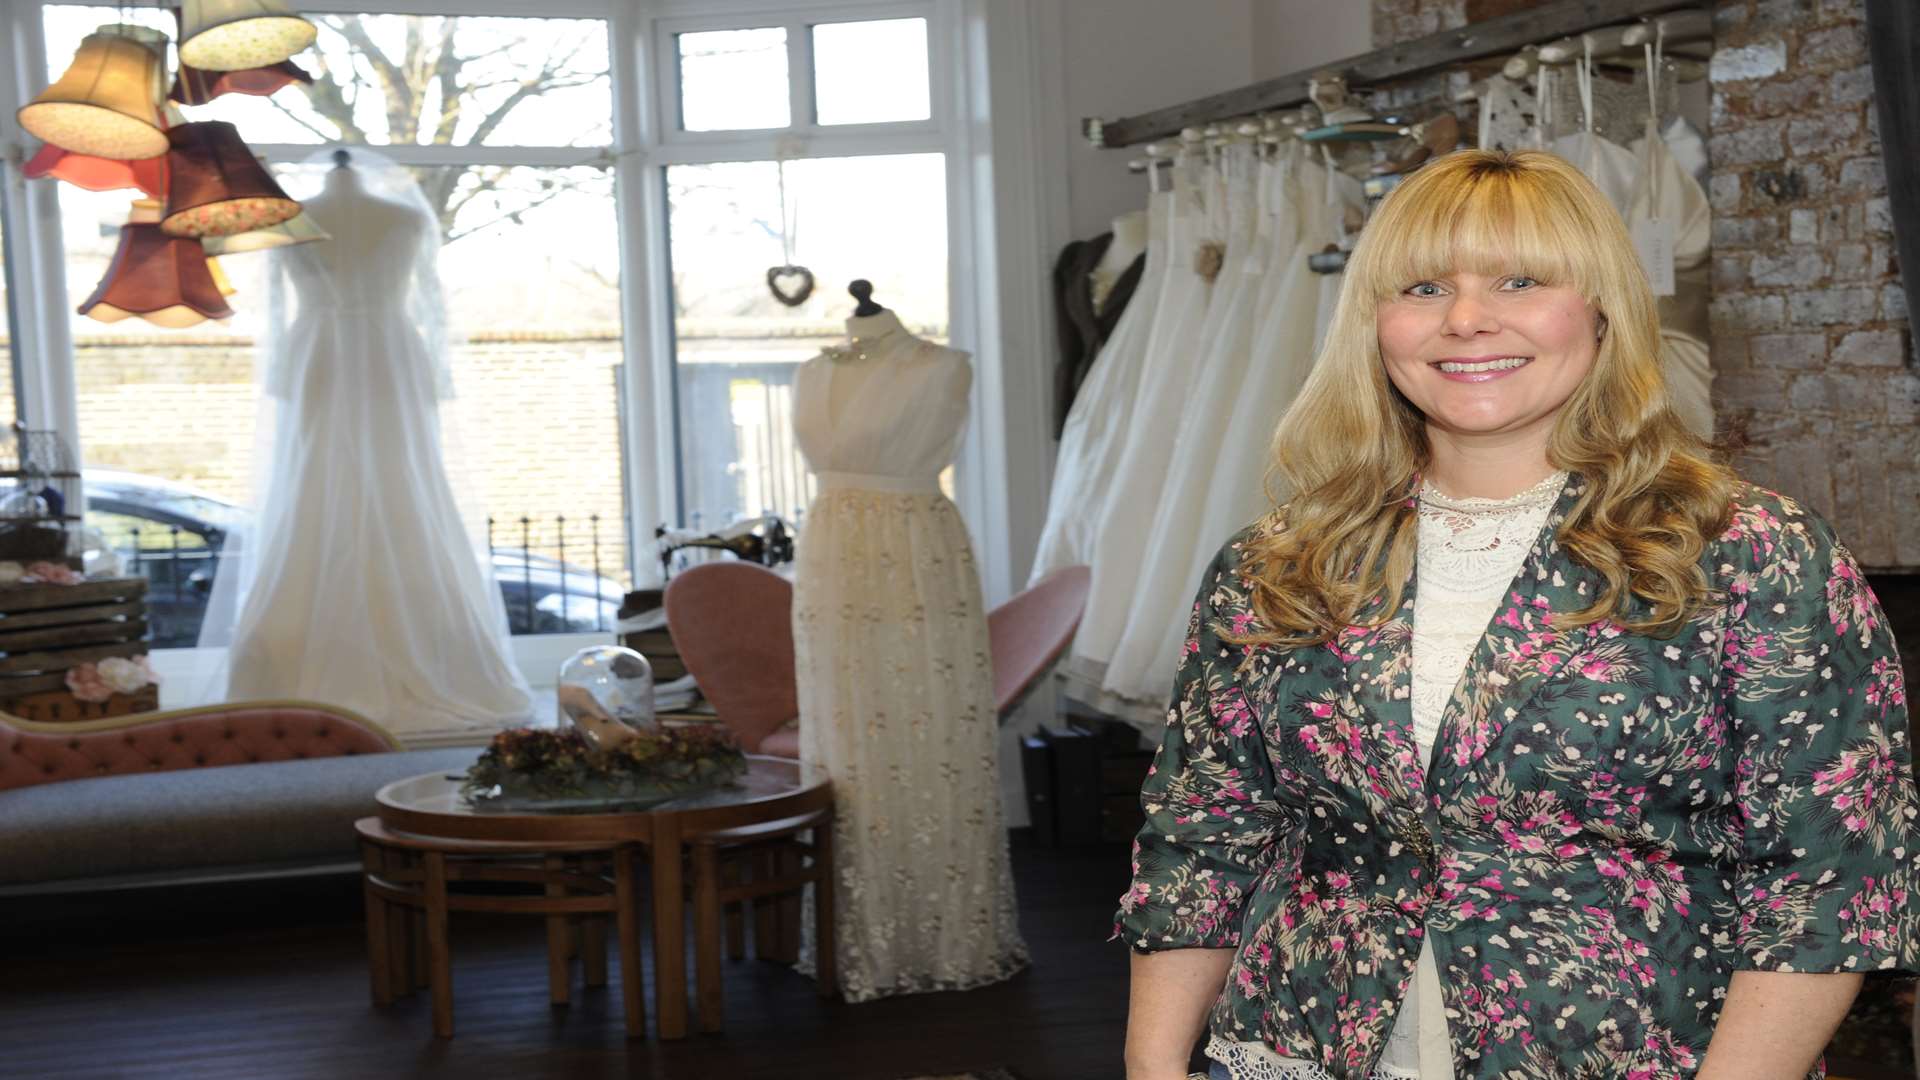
pixel 1128 245
pixel 1092 282
pixel 895 682
pixel 361 584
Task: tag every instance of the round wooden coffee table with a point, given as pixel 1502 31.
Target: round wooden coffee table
pixel 430 808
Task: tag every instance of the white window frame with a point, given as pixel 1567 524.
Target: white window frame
pixel 1006 216
pixel 955 70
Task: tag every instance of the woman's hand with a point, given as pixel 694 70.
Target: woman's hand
pixel 1167 1007
pixel 1775 1024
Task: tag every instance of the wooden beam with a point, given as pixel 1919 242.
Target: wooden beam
pixel 1493 37
pixel 1893 44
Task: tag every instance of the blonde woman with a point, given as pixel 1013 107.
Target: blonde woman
pixel 1525 739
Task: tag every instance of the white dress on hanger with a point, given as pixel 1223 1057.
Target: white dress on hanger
pixel 1173 360
pixel 362 585
pixel 1612 168
pixel 1665 191
pixel 1097 425
pixel 1236 487
pixel 895 679
pixel 1162 589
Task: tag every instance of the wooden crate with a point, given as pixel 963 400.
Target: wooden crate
pixel 47 629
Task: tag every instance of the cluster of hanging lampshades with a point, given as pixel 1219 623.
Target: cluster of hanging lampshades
pixel 111 123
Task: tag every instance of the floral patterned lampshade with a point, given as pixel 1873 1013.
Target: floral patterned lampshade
pixel 160 278
pixel 300 229
pixel 98 173
pixel 232 35
pixel 216 187
pixel 192 86
pixel 107 104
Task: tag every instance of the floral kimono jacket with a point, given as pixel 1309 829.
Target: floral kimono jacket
pixel 1611 825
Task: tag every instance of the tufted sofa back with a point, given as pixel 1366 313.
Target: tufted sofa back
pixel 33 753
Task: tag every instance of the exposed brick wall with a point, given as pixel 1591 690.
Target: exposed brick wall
pixel 1813 355
pixel 1811 339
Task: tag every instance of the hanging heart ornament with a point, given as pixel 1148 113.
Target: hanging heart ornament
pixel 791 285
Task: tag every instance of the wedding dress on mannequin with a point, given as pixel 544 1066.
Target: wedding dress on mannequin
pixel 1097 425
pixel 1174 352
pixel 361 584
pixel 895 680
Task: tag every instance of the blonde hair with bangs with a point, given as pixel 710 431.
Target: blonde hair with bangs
pixel 1351 447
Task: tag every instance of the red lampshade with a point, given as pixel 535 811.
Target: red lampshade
pixel 192 86
pixel 216 187
pixel 162 279
pixel 98 173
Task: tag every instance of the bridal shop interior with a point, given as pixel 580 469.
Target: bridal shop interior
pixel 654 537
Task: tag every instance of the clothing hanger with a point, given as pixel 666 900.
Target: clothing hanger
pixel 1600 43
pixel 862 292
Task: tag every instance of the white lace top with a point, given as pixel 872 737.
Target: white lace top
pixel 1469 550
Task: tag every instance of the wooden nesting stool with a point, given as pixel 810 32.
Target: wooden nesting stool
pixel 408 895
pixel 774 858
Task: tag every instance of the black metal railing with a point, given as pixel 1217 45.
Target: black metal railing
pixel 542 591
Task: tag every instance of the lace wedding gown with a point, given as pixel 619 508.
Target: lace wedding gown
pixel 362 585
pixel 895 677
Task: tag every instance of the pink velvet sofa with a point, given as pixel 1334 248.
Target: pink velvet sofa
pixel 229 791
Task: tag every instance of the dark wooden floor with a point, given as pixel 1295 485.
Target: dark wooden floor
pixel 270 982
pixel 264 982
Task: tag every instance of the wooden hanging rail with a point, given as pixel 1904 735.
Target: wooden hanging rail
pixel 1502 34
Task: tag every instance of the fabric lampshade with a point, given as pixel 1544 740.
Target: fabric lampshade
pixel 297 230
pixel 98 173
pixel 107 104
pixel 216 187
pixel 232 35
pixel 162 279
pixel 220 279
pixel 192 86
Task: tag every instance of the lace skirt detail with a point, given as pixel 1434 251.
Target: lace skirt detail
pixel 896 702
pixel 1252 1061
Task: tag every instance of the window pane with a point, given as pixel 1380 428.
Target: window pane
pixel 736 347
pixel 734 80
pixel 871 72
pixel 530 274
pixel 398 79
pixel 9 322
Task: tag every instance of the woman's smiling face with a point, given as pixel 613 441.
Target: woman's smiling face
pixel 1484 355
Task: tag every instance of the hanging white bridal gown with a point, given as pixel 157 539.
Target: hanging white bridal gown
pixel 1666 192
pixel 1612 167
pixel 895 678
pixel 1173 359
pixel 361 585
pixel 1233 490
pixel 1097 424
pixel 1162 589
